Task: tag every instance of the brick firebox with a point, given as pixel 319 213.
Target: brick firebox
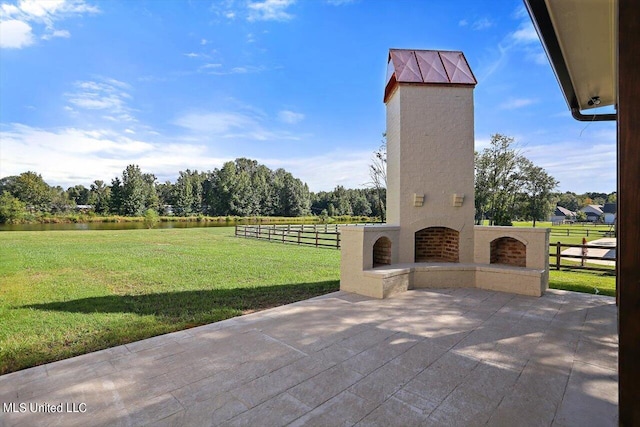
pixel 382 252
pixel 437 244
pixel 509 251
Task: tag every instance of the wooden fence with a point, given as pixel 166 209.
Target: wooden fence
pixel 556 231
pixel 318 235
pixel 328 236
pixel 557 255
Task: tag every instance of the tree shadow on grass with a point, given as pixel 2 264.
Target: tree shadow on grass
pixel 197 305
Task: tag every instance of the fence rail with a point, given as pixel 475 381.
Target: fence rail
pixel 558 256
pixel 328 236
pixel 318 235
pixel 581 232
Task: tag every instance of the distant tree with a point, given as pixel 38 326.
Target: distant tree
pixel 151 199
pixel 581 216
pixel 508 185
pixel 117 196
pixel 134 188
pixel 8 183
pixel 536 190
pixel 99 197
pixel 612 197
pixel 378 175
pixel 31 189
pixel 79 194
pixel 292 195
pixel 165 193
pixel 568 200
pixel 59 201
pixel 497 179
pixel 12 210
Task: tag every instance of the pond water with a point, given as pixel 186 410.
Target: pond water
pixel 111 225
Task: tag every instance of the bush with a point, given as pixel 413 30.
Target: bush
pixel 12 210
pixel 151 218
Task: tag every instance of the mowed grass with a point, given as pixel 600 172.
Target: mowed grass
pixel 65 293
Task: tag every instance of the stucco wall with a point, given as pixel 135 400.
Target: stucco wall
pixel 430 133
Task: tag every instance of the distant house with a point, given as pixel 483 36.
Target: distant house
pixel 561 215
pixel 593 212
pixel 83 208
pixel 609 211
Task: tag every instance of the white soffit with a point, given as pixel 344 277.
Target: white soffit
pixel 586 31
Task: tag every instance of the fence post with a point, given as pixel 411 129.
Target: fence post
pixel 337 240
pixel 269 233
pixel 567 231
pixel 558 251
pixel 316 238
pixel 299 232
pixel 587 232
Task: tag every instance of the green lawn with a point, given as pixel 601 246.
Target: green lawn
pixel 64 293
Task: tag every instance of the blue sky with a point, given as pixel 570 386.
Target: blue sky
pixel 87 87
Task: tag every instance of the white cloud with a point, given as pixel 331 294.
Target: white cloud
pixel 525 34
pixel 482 24
pixel 269 10
pixel 21 17
pixel 71 156
pixel 323 172
pixel 231 125
pixel 110 96
pixel 463 23
pixel 515 103
pixel 523 40
pixel 57 33
pixel 290 117
pixel 15 34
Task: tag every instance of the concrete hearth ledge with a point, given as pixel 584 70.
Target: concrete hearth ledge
pixel 385 281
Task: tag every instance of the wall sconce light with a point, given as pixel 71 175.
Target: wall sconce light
pixel 418 200
pixel 595 100
pixel 457 200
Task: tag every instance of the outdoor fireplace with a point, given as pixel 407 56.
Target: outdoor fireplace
pixel 436 244
pixel 508 251
pixel 430 239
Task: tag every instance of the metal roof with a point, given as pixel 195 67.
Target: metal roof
pixel 427 67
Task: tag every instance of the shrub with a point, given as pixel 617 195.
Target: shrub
pixel 151 218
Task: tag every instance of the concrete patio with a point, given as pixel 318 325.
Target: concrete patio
pixel 424 357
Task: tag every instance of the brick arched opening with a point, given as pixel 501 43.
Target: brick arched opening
pixel 508 251
pixel 382 252
pixel 437 244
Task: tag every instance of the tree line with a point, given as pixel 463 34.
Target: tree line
pixel 239 188
pixel 508 187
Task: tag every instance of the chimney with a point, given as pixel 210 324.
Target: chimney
pixel 430 154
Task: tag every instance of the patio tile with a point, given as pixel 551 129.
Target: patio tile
pixel 591 397
pixel 382 383
pixel 345 409
pixel 324 386
pixel 278 411
pixel 425 357
pixel 395 412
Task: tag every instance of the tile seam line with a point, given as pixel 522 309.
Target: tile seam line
pixel 346 389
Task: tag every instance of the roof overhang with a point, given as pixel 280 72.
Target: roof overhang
pixel 580 37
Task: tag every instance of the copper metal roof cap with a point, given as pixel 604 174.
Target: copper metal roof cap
pixel 427 67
